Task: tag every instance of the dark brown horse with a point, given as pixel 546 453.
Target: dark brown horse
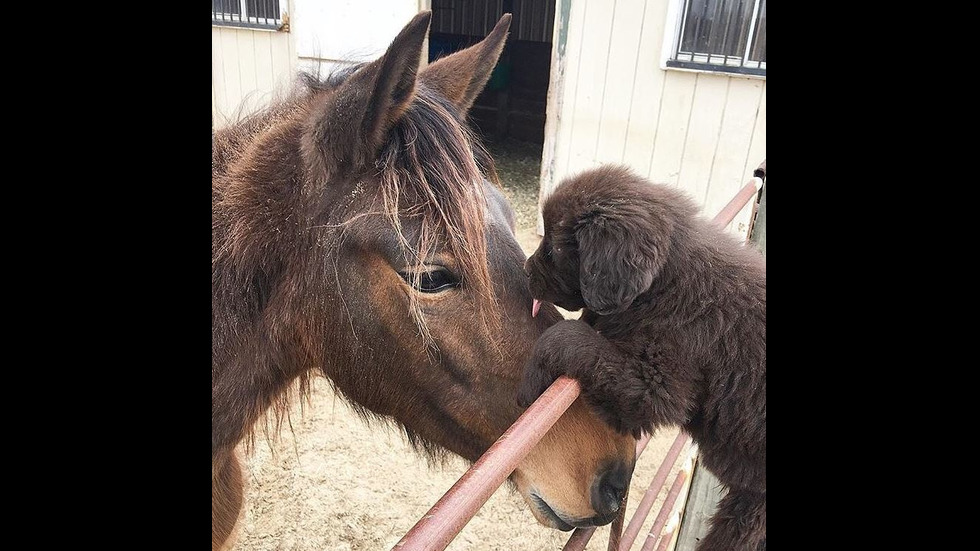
pixel 355 234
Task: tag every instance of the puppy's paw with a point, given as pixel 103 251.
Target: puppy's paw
pixel 565 348
pixel 534 382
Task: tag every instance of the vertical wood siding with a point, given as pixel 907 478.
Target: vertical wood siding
pixel 248 67
pixel 251 67
pixel 704 133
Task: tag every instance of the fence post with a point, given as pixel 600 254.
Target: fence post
pixel 758 233
pixel 702 500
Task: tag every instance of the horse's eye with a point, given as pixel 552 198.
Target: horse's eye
pixel 431 282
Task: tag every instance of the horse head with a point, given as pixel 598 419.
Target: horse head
pixel 357 231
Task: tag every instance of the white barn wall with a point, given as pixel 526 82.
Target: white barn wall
pixel 250 66
pixel 702 132
pixel 332 34
pixel 609 99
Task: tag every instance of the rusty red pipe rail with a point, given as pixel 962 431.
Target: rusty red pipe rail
pixel 579 539
pixel 456 507
pixel 643 509
pixel 674 517
pixel 665 539
pixel 666 509
pixel 738 202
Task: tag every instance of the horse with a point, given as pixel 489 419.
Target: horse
pixel 358 232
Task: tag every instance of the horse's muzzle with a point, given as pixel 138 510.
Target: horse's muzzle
pixel 608 491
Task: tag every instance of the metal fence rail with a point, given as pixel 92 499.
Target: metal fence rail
pixel 441 524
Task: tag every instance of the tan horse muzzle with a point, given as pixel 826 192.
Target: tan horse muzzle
pixel 578 473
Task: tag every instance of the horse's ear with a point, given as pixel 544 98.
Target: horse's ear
pixel 619 255
pixel 462 75
pixel 351 125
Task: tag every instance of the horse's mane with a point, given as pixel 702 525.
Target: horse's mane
pixel 430 168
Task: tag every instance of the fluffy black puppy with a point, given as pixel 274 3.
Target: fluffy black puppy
pixel 674 331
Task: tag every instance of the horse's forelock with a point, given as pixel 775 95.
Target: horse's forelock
pixel 434 167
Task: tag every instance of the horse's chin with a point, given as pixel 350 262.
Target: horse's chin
pixel 552 518
pixel 546 515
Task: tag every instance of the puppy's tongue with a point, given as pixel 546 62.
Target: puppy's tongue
pixel 535 306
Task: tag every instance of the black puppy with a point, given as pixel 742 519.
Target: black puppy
pixel 674 331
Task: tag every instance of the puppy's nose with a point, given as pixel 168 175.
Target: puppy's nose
pixel 608 490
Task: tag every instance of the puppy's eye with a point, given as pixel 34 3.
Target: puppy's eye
pixel 434 281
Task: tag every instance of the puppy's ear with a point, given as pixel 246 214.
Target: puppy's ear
pixel 620 250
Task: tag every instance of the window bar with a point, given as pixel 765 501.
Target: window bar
pixel 532 21
pixel 518 21
pixel 754 46
pixel 752 25
pixel 697 29
pixel 712 33
pixel 680 38
pixel 728 24
pixel 532 14
pixel 486 8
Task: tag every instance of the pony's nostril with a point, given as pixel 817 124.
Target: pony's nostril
pixel 608 490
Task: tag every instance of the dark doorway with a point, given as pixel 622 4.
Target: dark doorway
pixel 514 102
pixel 510 112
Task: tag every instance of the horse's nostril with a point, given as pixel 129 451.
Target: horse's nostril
pixel 608 490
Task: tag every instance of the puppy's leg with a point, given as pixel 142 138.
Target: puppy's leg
pixel 630 392
pixel 739 524
pixel 568 347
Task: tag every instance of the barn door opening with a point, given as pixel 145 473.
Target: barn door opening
pixel 510 112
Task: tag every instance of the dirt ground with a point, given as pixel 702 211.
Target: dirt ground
pixel 332 481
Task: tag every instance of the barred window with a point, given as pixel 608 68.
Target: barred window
pixel 727 36
pixel 257 14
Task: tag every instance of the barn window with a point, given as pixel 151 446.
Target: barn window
pixel 254 14
pixel 727 36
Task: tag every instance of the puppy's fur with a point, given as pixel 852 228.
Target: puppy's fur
pixel 674 331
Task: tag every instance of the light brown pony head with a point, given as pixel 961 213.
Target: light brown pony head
pixel 355 232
